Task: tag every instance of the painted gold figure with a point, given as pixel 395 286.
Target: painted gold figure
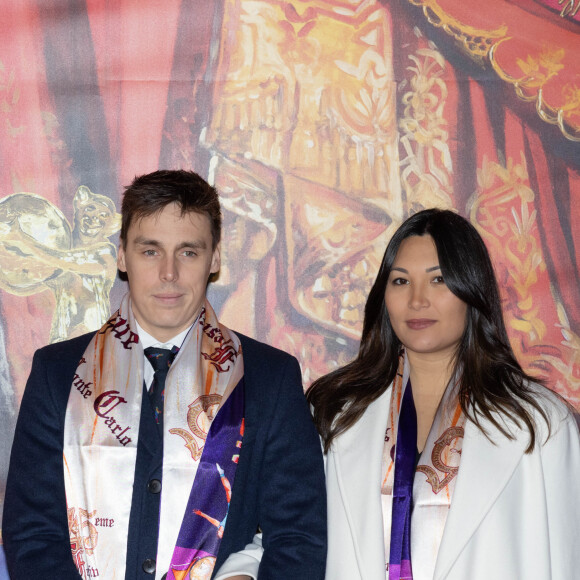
pixel 39 250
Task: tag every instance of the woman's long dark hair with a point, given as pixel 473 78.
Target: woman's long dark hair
pixel 492 381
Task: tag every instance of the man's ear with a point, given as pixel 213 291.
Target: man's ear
pixel 216 260
pixel 121 259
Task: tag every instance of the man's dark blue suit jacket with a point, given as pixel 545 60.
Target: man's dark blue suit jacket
pixel 279 484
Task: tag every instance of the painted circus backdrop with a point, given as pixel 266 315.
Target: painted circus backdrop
pixel 323 123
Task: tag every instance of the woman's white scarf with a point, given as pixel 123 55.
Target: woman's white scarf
pixel 435 475
pixel 102 431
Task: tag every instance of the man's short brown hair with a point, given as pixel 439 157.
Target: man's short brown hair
pixel 149 194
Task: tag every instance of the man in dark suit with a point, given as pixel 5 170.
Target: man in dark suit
pixel 160 445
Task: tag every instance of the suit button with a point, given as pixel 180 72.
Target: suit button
pixel 154 486
pixel 149 566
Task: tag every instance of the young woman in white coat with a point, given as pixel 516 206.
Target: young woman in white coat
pixel 445 460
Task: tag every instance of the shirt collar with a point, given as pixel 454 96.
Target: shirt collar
pixel 147 340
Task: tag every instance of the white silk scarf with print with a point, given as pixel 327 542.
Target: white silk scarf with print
pixel 435 475
pixel 102 431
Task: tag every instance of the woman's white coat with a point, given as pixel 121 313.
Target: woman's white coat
pixel 513 515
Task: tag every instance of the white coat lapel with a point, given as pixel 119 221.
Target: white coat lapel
pixel 357 456
pixel 484 471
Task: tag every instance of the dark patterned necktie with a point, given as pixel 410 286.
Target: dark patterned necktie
pixel 160 359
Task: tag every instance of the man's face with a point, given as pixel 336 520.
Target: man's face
pixel 168 259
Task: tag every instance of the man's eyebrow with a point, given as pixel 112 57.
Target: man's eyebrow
pixel 431 269
pixel 195 244
pixel 142 241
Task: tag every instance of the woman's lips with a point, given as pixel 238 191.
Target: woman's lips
pixel 420 323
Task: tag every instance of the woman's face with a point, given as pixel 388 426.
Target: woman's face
pixel 426 316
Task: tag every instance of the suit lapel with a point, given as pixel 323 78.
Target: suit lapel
pixel 357 456
pixel 484 471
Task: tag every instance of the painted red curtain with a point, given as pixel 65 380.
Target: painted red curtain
pixel 323 123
